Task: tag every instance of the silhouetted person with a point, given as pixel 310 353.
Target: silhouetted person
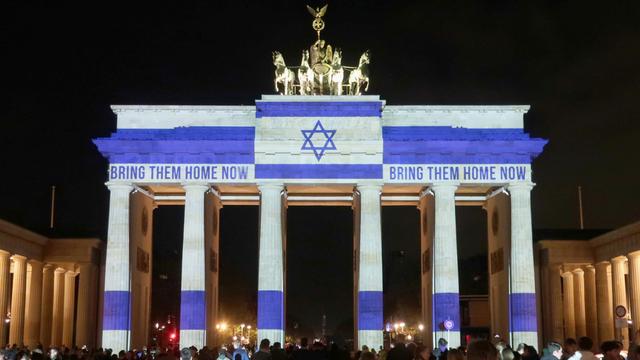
pixel 277 353
pixel 303 353
pixel 399 352
pixel 482 350
pixel 263 352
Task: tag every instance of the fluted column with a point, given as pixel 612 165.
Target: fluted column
pixel 33 305
pixel 5 265
pixel 446 291
pixel 271 265
pixel 605 300
pixel 590 305
pixel 524 318
pixel 578 302
pixel 634 277
pixel 69 308
pixel 370 303
pixel 557 313
pixel 116 318
pixel 569 308
pixel 58 307
pixel 85 334
pixel 46 309
pixel 618 267
pixel 193 306
pixel 18 291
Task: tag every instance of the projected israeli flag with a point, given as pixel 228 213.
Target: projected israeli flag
pixel 308 138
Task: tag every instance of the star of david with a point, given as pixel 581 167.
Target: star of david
pixel 328 140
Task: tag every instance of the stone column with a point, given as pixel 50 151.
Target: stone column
pixel 557 313
pixel 5 265
pixel 85 334
pixel 370 317
pixel 68 314
pixel 58 307
pixel 569 307
pixel 446 293
pixel 591 313
pixel 524 319
pixel 618 267
pixel 605 300
pixel 33 305
pixel 116 316
pixel 578 302
pixel 18 291
pixel 193 309
pixel 634 277
pixel 46 310
pixel 271 265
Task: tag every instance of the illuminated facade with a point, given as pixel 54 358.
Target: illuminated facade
pixel 583 282
pixel 48 288
pixel 319 150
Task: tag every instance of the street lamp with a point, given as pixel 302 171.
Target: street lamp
pixel 421 327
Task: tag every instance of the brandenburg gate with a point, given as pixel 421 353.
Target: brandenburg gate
pixel 320 148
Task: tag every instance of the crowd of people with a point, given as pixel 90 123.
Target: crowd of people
pixel 582 349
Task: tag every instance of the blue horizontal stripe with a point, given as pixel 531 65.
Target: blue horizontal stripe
pixel 307 171
pixel 192 310
pixel 318 108
pixel 270 309
pixel 413 133
pixel 523 312
pixel 116 310
pixel 370 310
pixel 161 158
pixel 446 306
pixel 184 145
pixel 448 145
pixel 188 133
pixel 436 159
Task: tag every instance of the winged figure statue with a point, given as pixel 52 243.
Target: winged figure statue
pixel 317 12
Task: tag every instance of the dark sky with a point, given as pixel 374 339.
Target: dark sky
pixel 575 63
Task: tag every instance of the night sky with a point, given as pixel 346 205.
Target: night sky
pixel 576 64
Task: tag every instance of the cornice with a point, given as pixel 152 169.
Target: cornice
pixel 414 109
pixel 239 109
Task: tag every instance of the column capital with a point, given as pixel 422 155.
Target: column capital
pixel 270 186
pixel 369 187
pixel 60 270
pixel 578 271
pixel 47 267
pixel 36 262
pixel 633 255
pixel 567 274
pixel 70 273
pixel 589 267
pixel 119 185
pixel 5 253
pixel 444 185
pixel 18 258
pixel 195 186
pixel 521 185
pixel 618 259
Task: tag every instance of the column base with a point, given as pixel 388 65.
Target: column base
pixel 115 340
pixel 195 338
pixel 272 334
pixel 452 337
pixel 527 337
pixel 373 339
